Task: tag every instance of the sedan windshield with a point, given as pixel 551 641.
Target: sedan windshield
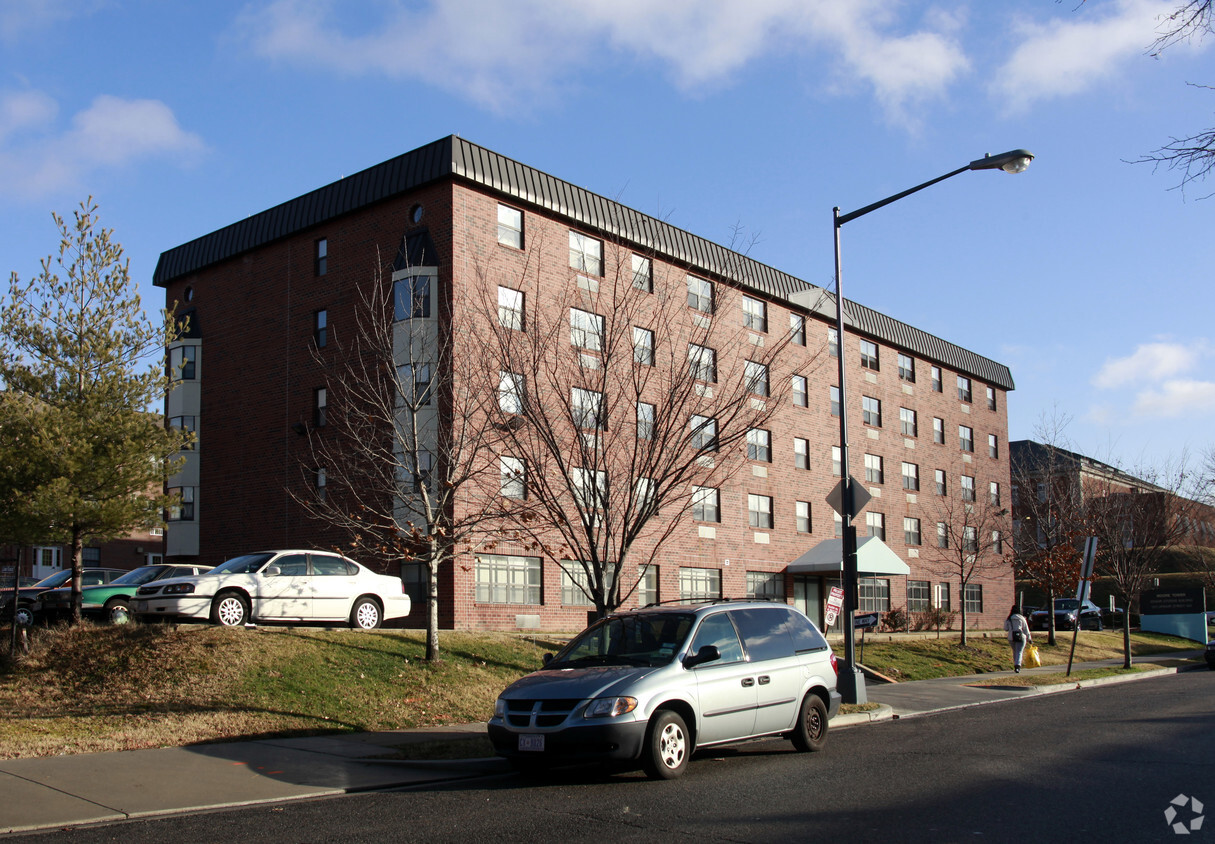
pixel 244 564
pixel 57 579
pixel 135 577
pixel 642 639
pixel 1065 604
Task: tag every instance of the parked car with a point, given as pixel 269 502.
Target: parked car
pixel 1210 654
pixel 1065 616
pixel 654 685
pixel 285 586
pixel 111 601
pixel 26 602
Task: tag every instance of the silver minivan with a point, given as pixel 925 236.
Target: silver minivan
pixel 653 685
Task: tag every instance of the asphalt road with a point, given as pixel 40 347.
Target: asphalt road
pixel 1097 764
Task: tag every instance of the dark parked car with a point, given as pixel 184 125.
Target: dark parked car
pixel 1065 616
pixel 111 601
pixel 26 602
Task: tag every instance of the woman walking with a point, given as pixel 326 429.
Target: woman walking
pixel 1017 629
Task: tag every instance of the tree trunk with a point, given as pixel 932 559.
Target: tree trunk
pixel 963 616
pixel 1050 619
pixel 77 553
pixel 1126 635
pixel 432 610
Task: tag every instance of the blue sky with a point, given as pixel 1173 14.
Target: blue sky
pixel 1086 275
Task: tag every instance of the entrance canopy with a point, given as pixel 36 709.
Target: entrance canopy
pixel 873 556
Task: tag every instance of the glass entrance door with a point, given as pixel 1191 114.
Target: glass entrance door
pixel 808 597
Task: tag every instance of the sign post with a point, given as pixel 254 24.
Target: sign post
pixel 1082 590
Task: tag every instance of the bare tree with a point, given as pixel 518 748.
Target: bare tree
pixel 972 533
pixel 623 401
pixel 1135 527
pixel 404 437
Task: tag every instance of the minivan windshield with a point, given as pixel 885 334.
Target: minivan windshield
pixel 634 639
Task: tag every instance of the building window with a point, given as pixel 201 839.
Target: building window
pixel 997 542
pixel 513 474
pixel 320 479
pixel 801 397
pixel 938 430
pixel 647 586
pixel 876 524
pixel 414 381
pixel 589 488
pixel 575 587
pixel 802 509
pixel 873 469
pixel 907 422
pixel 510 392
pixel 700 294
pixel 906 368
pixel 963 389
pixel 838 524
pixel 320 409
pixel 942 486
pixel 186 423
pixel 587 408
pixel 801 453
pixel 911 477
pixel 510 308
pixel 586 330
pixel 759 511
pixel 702 363
pixel 586 254
pixel 643 346
pixel 411 297
pixel 183 510
pixel 705 504
pixel 941 596
pixel 755 314
pixel 697 584
pixel 871 411
pixel 911 531
pixel 502 579
pixel 833 342
pixel 874 594
pixel 869 355
pixel 322 256
pixel 759 445
pixel 181 363
pixel 942 535
pixel 994 491
pixel 991 398
pixel 993 446
pixel 919 595
pixel 972 597
pixel 834 399
pixel 643 277
pixel 703 432
pixel 320 328
pixel 756 375
pixel 90 556
pixel 419 478
pixel 797 329
pixel 968 488
pixel 645 420
pixel 966 438
pixel 510 226
pixel 765 584
pixel 835 461
pixel 937 386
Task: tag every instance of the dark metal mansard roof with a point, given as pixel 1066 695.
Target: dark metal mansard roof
pixel 454 157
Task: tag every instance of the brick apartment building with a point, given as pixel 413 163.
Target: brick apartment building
pixel 928 416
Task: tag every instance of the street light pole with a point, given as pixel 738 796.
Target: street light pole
pixel 851 681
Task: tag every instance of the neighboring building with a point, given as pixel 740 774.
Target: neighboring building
pixel 140 548
pixel 263 293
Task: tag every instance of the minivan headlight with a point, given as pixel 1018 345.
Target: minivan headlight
pixel 609 707
pixel 499 708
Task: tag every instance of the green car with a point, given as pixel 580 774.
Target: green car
pixel 111 601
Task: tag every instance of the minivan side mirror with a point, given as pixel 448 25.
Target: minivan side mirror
pixel 708 653
pixel 546 659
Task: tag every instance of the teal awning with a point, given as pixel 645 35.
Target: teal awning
pixel 873 556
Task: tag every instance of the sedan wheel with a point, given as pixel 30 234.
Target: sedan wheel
pixel 25 617
pixel 365 615
pixel 118 612
pixel 230 609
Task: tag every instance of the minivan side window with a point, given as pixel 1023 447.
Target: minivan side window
pixel 717 630
pixel 765 631
pixel 805 635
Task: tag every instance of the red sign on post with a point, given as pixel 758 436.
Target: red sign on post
pixel 835 602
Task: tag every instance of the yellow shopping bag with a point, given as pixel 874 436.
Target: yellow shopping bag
pixel 1030 658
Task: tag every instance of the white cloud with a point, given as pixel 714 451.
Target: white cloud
pixel 1154 383
pixel 1149 362
pixel 1066 56
pixel 1175 399
pixel 36 160
pixel 505 54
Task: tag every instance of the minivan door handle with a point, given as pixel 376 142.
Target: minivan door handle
pixel 748 682
pixel 764 679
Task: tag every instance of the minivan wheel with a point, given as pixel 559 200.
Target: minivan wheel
pixel 811 730
pixel 668 746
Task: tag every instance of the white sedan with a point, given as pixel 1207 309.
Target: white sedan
pixel 280 586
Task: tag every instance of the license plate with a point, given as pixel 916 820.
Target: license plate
pixel 531 743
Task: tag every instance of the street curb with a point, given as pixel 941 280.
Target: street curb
pixel 884 712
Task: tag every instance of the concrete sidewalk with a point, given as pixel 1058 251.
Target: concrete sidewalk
pixel 89 788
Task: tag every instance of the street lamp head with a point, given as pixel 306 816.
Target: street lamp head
pixel 1014 161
